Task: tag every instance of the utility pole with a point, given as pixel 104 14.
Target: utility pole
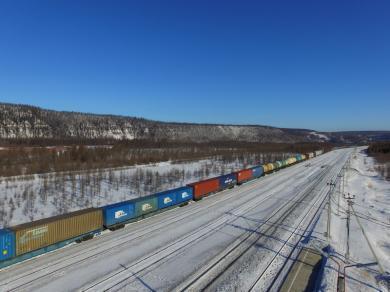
pixel 330 184
pixel 343 181
pixel 349 199
pixel 339 195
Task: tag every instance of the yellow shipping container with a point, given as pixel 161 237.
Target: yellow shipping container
pixel 265 167
pixel 42 233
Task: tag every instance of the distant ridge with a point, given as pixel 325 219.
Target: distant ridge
pixel 30 122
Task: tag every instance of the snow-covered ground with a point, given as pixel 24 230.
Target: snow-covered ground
pixel 33 197
pixel 233 240
pixel 365 269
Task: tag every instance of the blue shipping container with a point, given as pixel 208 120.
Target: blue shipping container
pixel 228 180
pixel 118 213
pixel 257 171
pixel 184 194
pixel 174 197
pixel 7 244
pixel 166 199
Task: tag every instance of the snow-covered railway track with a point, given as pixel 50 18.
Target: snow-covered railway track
pixel 103 249
pixel 121 276
pixel 60 266
pixel 206 278
pixel 289 247
pixel 149 245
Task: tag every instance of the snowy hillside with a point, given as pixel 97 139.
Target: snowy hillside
pixel 26 122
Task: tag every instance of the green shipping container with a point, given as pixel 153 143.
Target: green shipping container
pixel 145 205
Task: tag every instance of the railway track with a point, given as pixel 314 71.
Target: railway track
pixel 207 279
pixel 122 278
pixel 74 257
pixel 290 247
pixel 172 249
pixel 277 280
pixel 104 250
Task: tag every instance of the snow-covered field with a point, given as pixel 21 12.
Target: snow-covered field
pixel 233 240
pixel 33 197
pixel 365 269
pixel 243 239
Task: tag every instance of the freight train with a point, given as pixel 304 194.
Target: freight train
pixel 27 240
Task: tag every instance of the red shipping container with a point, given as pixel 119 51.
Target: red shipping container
pixel 205 187
pixel 244 175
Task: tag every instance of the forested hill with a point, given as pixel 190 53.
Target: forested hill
pixel 23 121
pixel 30 122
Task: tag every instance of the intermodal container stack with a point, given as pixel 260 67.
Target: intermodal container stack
pixel 174 197
pixel 227 181
pixel 145 205
pixel 244 175
pixel 118 213
pixel 205 187
pixel 7 244
pixel 43 233
pixel 257 171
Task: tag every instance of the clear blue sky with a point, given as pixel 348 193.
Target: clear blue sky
pixel 321 64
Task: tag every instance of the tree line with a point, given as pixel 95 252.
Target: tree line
pixel 381 152
pixel 35 159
